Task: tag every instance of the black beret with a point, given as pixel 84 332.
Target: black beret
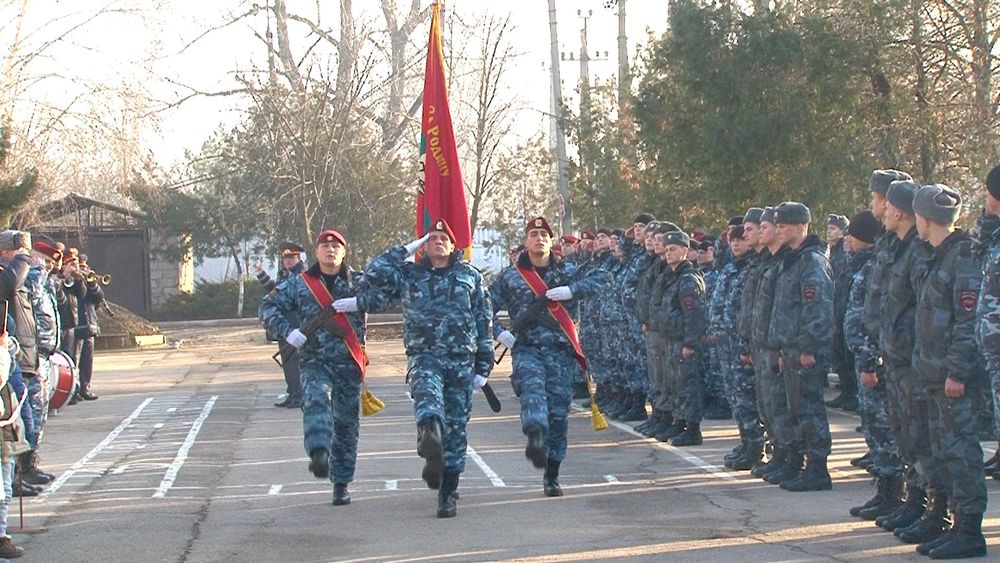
pixel 938 203
pixel 644 218
pixel 901 194
pixel 792 212
pixel 753 215
pixel 618 233
pixel 993 182
pixel 737 220
pixel 880 180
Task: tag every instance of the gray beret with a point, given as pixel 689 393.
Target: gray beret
pixel 12 240
pixel 792 212
pixel 679 238
pixel 938 203
pixel 880 180
pixel 901 194
pixel 767 216
pixel 753 215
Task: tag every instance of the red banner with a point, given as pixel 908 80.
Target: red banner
pixel 441 194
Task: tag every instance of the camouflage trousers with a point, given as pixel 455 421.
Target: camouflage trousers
pixel 685 382
pixel 611 354
pixel 441 388
pixel 741 392
pixel 908 412
pixel 955 447
pixel 771 401
pixel 806 408
pixel 39 400
pixel 876 424
pixel 656 359
pixel 634 358
pixel 994 372
pixel 541 379
pixel 712 370
pixel 843 362
pixel 330 404
pixel 592 341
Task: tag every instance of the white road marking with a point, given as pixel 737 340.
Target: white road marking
pixel 93 453
pixel 392 484
pixel 172 409
pixel 611 479
pixel 158 425
pixel 275 489
pixel 182 453
pixel 486 469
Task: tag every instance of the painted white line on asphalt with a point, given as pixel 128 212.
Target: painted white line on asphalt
pixel 487 470
pixel 392 484
pixel 158 425
pixel 611 479
pixel 93 453
pixel 172 409
pixel 275 489
pixel 175 467
pixel 694 460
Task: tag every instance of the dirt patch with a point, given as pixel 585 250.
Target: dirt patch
pixel 124 322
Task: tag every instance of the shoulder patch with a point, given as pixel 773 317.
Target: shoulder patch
pixel 808 293
pixel 688 302
pixel 968 300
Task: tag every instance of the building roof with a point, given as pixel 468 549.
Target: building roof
pixel 79 211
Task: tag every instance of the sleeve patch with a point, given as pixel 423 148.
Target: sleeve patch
pixel 968 300
pixel 809 293
pixel 688 302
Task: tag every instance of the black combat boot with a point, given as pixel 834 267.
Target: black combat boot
pixel 536 450
pixel 910 512
pixel 751 458
pixel 662 421
pixel 892 498
pixel 926 547
pixel 622 405
pixel 875 500
pixel 737 452
pixel 430 446
pixel 965 541
pixel 776 460
pixel 551 481
pixel 340 494
pixel 931 525
pixel 651 420
pixel 27 462
pixel 637 408
pixel 448 495
pixel 319 463
pixel 992 465
pixel 815 477
pixel 864 461
pixel 674 429
pixel 787 472
pixel 690 437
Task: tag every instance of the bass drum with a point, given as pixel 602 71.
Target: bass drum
pixel 63 379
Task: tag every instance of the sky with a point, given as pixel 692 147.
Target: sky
pixel 154 52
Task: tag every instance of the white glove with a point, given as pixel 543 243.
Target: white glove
pixel 413 246
pixel 561 293
pixel 479 381
pixel 296 338
pixel 346 305
pixel 506 338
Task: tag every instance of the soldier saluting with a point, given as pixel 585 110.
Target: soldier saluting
pixel 545 357
pixel 447 334
pixel 332 359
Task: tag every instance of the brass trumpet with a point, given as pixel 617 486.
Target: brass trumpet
pixel 94 278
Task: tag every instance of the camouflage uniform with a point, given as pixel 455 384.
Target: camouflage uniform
pixel 988 311
pixel 609 360
pixel 650 299
pixel 715 385
pixel 331 380
pixel 800 324
pixel 740 380
pixel 44 303
pixel 841 359
pixel 543 358
pixel 593 335
pixel 447 333
pixel 633 344
pixel 949 281
pixel 289 366
pixel 681 318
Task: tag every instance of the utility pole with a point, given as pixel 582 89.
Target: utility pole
pixel 586 121
pixel 558 139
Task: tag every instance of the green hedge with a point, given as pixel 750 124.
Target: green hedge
pixel 212 301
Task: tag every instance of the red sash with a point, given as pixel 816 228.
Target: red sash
pixel 323 297
pixel 556 309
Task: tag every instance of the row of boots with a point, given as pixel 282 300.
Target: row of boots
pixel 923 519
pixel 663 427
pixel 619 403
pixel 790 470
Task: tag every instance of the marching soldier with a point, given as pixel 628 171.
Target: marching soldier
pixel 291 266
pixel 447 327
pixel 545 357
pixel 800 326
pixel 988 313
pixel 331 358
pixel 944 361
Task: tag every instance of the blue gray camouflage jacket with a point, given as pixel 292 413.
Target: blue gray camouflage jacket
pixel 42 291
pixel 681 316
pixel 511 293
pixel 736 272
pixel 446 311
pixel 802 315
pixel 987 235
pixel 293 296
pixel 855 334
pixel 899 300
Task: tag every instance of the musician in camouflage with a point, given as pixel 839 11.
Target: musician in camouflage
pixel 331 377
pixel 447 333
pixel 544 357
